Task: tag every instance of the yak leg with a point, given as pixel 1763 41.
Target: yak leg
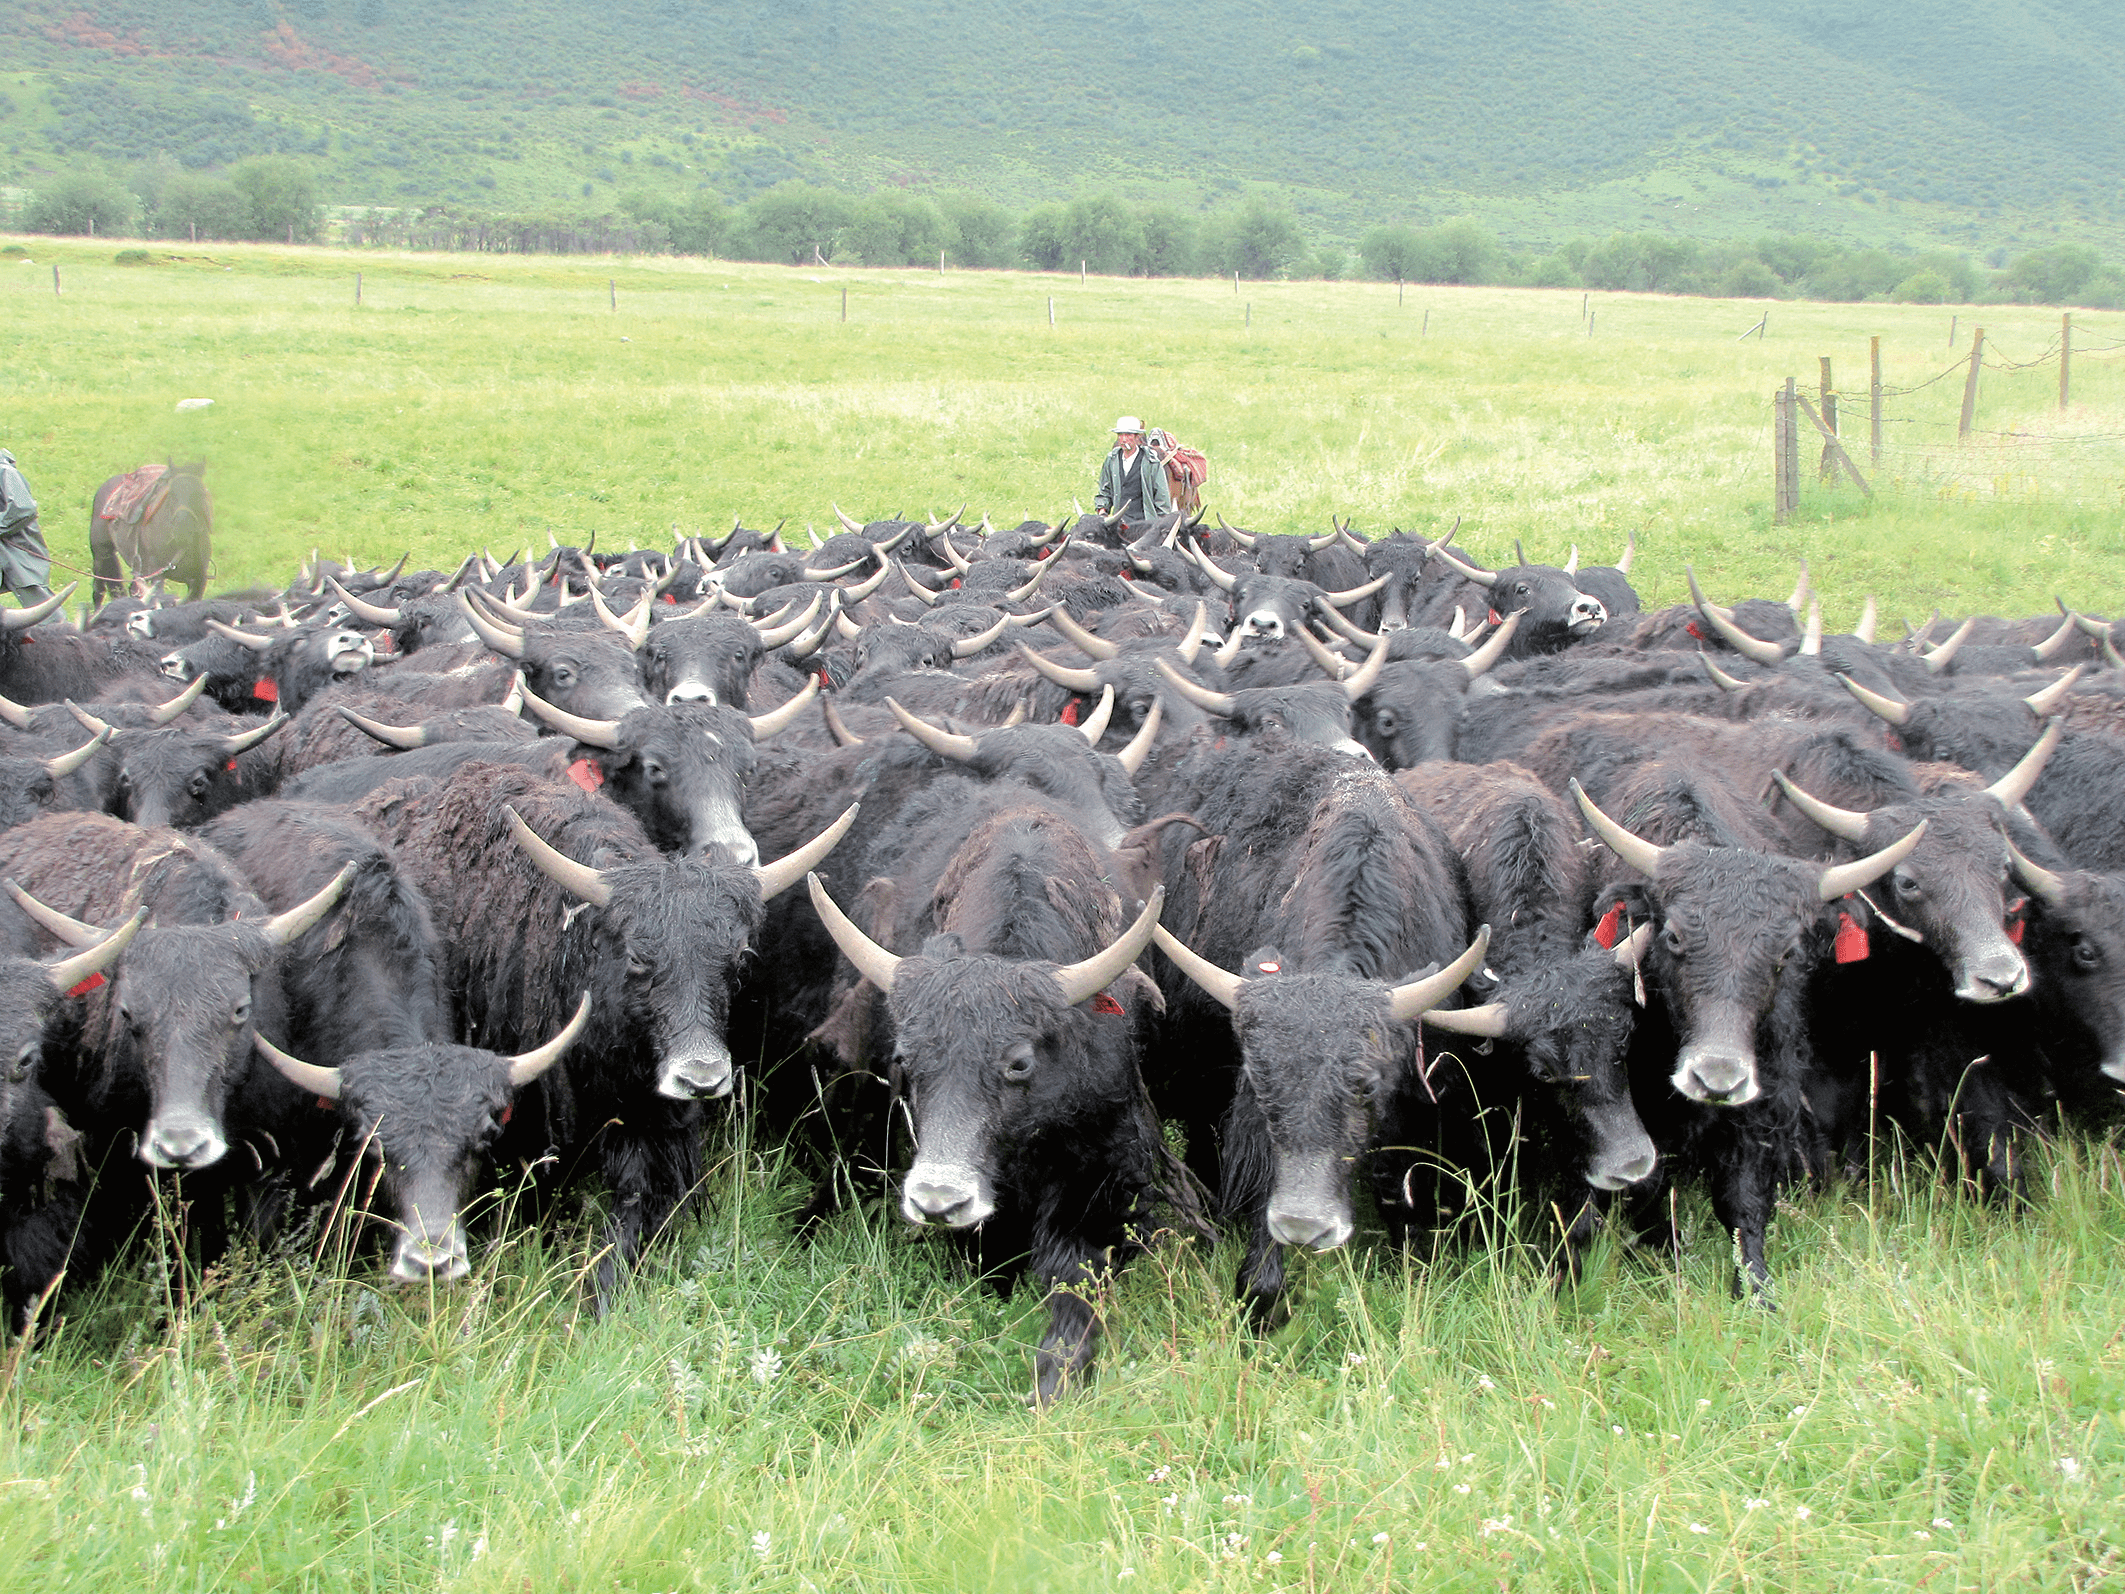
pixel 103 549
pixel 1743 1193
pixel 1262 1275
pixel 1578 1234
pixel 651 1172
pixel 1074 1272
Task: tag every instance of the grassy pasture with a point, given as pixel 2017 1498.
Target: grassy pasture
pixel 1941 1402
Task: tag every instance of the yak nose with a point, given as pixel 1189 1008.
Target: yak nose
pixel 1618 1173
pixel 697 1077
pixel 422 1258
pixel 1721 1079
pixel 738 842
pixel 691 692
pixel 1322 1231
pixel 946 1194
pixel 1265 622
pixel 1996 979
pixel 1587 613
pixel 181 1142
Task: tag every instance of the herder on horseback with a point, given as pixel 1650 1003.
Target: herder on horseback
pixel 25 562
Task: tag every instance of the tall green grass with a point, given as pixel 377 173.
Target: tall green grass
pixel 476 400
pixel 1939 1403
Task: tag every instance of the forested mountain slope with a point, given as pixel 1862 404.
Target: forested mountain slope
pixel 1914 119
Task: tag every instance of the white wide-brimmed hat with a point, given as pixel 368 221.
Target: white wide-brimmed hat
pixel 1128 423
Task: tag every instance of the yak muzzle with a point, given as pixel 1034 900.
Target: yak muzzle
pixel 700 1074
pixel 182 1141
pixel 1316 1230
pixel 1623 1153
pixel 1717 1076
pixel 1265 623
pixel 948 1193
pixel 691 691
pixel 1586 616
pixel 1999 976
pixel 422 1258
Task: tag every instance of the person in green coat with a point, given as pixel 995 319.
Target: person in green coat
pixel 1131 481
pixel 25 562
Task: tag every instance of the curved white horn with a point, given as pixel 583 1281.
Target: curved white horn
pixel 495 638
pixel 774 636
pixel 578 879
pixel 178 704
pixel 1220 703
pixel 776 719
pixel 1454 562
pixel 1849 823
pixel 1095 723
pixel 871 960
pixel 2051 646
pixel 22 619
pixel 1811 634
pixel 1636 851
pixel 306 1077
pixel 777 877
pixel 1093 647
pixel 634 625
pixel 1082 980
pixel 232 745
pixel 1843 879
pixel 1944 655
pixel 1198 628
pixel 285 927
pixel 405 738
pixel 594 733
pixel 1869 618
pixel 1086 681
pixel 66 973
pixel 2046 703
pixel 2040 882
pixel 1213 570
pixel 74 932
pixel 1214 981
pixel 1132 757
pixel 1367 675
pixel 66 763
pixel 257 644
pixel 967 646
pixel 1345 598
pixel 527 1066
pixel 1410 1002
pixel 2013 786
pixel 948 744
pixel 1490 1021
pixel 1888 708
pixel 1493 649
pixel 374 613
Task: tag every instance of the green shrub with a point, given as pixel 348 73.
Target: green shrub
pixel 130 257
pixel 1922 287
pixel 86 202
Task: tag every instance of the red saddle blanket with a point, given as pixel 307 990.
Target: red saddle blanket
pixel 129 500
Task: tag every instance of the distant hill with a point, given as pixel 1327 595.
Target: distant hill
pixel 1921 121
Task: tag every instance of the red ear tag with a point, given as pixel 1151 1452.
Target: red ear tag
pixel 327 1104
pixel 1103 1003
pixel 1069 713
pixel 508 1113
pixel 1494 617
pixel 87 985
pixel 1851 940
pixel 669 598
pixel 1128 575
pixel 1610 930
pixel 1270 968
pixel 2015 922
pixel 955 583
pixel 265 691
pixel 1691 627
pixel 586 774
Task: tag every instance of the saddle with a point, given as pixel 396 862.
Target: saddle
pixel 138 495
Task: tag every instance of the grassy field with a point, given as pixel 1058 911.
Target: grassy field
pixel 1940 1403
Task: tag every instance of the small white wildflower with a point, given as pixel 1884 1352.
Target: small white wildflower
pixel 1234 1544
pixel 1943 1522
pixel 1616 1427
pixel 1443 1464
pixel 1420 1545
pixel 1483 1382
pixel 1274 1556
pixel 1699 1527
pixel 1754 1505
pixel 1496 1525
pixel 766 1366
pixel 1460 1488
pixel 1158 1475
pixel 1981 1395
pixel 1127 1571
pixel 449 1533
pixel 1379 1538
pixel 1920 1533
pixel 1239 1499
pixel 1802 1513
pixel 1704 1405
pixel 763 1543
pixel 1466 1459
pixel 1354 1359
pixel 1799 1412
pixel 1548 1404
pixel 2069 1467
pixel 479 1546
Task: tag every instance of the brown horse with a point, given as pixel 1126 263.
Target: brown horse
pixel 163 533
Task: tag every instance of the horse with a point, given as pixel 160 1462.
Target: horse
pixel 160 520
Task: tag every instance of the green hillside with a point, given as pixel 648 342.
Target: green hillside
pixel 1919 121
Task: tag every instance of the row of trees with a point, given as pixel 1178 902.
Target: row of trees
pixel 797 223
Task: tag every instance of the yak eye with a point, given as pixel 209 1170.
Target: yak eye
pixel 654 772
pixel 1671 938
pixel 241 1013
pixel 2085 955
pixel 1018 1063
pixel 1906 886
pixel 1385 720
pixel 563 675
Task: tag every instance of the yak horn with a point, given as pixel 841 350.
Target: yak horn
pixel 2013 786
pixel 871 960
pixel 1316 544
pixel 836 727
pixel 948 744
pixel 23 618
pixel 1219 703
pixel 967 646
pixel 1229 649
pixel 1869 617
pixel 527 1066
pixel 1944 655
pixel 1489 1021
pixel 1848 823
pixel 1096 973
pixel 774 636
pixel 2051 646
pixel 777 877
pixel 1636 851
pixel 1095 723
pixel 1459 566
pixel 310 1078
pixel 1132 757
pixel 492 635
pixel 1622 566
pixel 1222 577
pixel 1801 589
pixel 1198 628
pixel 1493 649
pixel 70 972
pixel 87 721
pixel 577 879
pixel 1841 880
pixel 390 735
pixel 66 763
pixel 2046 703
pixel 1086 681
pixel 178 704
pixel 1367 675
pixel 1571 563
pixel 2040 882
pixel 1336 669
pixel 1888 708
pixel 72 931
pixel 776 719
pixel 285 927
pixel 848 521
pixel 19 717
pixel 592 733
pixel 834 574
pixel 257 644
pixel 1811 634
pixel 863 589
pixel 1040 574
pixel 1344 599
pixel 953 557
pixel 923 594
pixel 1095 647
pixel 244 740
pixel 1753 648
pixel 374 613
pixel 1337 621
pixel 1215 982
pixel 634 625
pixel 1410 1002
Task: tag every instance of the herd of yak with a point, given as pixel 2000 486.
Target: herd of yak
pixel 1149 876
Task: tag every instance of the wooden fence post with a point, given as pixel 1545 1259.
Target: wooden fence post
pixel 1051 309
pixel 1874 402
pixel 1425 330
pixel 1832 448
pixel 940 262
pixel 1781 438
pixel 1590 321
pixel 845 301
pixel 2065 356
pixel 55 280
pixel 1977 360
pixel 612 289
pixel 1829 418
pixel 1082 278
pixel 357 290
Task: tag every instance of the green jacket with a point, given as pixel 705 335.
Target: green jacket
pixel 1158 496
